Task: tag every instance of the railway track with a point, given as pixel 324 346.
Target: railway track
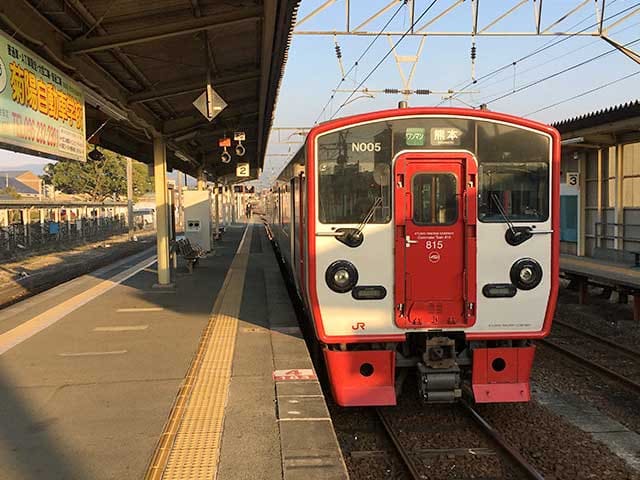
pixel 414 469
pixel 617 362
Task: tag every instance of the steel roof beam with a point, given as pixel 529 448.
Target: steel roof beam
pixel 317 11
pixel 382 11
pixel 189 86
pixel 566 15
pixel 158 32
pixel 34 28
pixel 181 125
pixel 439 16
pixel 504 15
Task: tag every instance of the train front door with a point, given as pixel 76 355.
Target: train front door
pixel 435 240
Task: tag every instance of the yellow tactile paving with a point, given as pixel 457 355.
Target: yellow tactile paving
pixel 190 444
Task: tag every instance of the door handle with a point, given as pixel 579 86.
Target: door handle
pixel 408 241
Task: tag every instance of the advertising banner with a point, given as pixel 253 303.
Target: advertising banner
pixel 41 109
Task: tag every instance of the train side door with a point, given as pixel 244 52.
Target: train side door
pixel 435 198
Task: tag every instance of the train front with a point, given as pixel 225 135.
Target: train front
pixel 433 246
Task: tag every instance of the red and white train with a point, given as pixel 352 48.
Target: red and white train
pixel 425 239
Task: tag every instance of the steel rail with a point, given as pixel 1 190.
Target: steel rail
pixel 408 462
pixel 499 439
pixel 630 351
pixel 595 366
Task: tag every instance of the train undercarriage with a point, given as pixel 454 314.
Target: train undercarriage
pixel 494 371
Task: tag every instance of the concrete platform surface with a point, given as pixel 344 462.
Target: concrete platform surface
pixel 91 373
pixel 601 271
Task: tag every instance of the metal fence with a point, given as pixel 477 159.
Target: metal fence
pixel 627 236
pixel 18 238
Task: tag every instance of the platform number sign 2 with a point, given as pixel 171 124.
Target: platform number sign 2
pixel 242 170
pixel 573 179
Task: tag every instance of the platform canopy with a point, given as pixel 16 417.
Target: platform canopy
pixel 142 64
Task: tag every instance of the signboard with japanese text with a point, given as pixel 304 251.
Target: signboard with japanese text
pixel 446 136
pixel 41 109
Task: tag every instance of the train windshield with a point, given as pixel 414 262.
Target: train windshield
pixel 355 166
pixel 354 171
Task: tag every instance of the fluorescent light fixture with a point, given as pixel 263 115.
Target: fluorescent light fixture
pixel 183 157
pixel 97 101
pixel 571 141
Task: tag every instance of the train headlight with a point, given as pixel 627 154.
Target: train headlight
pixel 526 274
pixel 341 276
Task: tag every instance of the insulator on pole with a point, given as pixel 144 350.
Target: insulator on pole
pixel 391 90
pixel 338 51
pixel 473 60
pixel 422 91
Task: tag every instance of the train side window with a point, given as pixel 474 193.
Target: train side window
pixel 435 200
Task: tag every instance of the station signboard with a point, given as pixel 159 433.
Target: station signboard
pixel 41 109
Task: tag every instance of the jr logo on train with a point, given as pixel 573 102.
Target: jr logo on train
pixel 424 245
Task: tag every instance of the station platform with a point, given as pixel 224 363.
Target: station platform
pixel 622 278
pixel 107 377
pixel 601 271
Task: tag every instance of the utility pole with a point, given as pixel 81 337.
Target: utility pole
pixel 130 197
pixel 179 202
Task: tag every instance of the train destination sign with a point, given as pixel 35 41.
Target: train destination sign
pixel 41 109
pixel 446 136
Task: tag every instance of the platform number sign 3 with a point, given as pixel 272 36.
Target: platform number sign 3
pixel 573 179
pixel 242 170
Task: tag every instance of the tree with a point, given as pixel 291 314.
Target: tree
pixel 10 192
pixel 100 179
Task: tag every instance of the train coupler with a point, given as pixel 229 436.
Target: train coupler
pixel 439 373
pixel 440 385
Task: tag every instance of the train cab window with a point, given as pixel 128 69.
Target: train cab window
pixel 434 199
pixel 513 174
pixel 354 175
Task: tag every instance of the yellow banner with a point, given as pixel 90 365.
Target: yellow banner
pixel 41 109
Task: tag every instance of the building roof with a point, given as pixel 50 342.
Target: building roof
pixel 17 185
pixel 12 173
pixel 147 61
pixel 616 113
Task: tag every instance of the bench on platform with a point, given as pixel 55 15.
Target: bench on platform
pixel 612 270
pixel 623 257
pixel 191 252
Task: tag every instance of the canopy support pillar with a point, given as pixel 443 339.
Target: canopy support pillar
pixel 162 217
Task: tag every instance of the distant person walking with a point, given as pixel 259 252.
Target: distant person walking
pixel 247 210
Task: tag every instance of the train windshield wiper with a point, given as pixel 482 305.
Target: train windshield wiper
pixel 353 236
pixel 515 235
pixel 503 212
pixel 376 203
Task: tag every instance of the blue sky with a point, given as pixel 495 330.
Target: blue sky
pixel 312 70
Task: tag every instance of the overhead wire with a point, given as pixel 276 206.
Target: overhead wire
pixel 551 60
pixel 355 64
pixel 542 46
pixel 541 49
pixel 384 57
pixel 561 72
pixel 587 92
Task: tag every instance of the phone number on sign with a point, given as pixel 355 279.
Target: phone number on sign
pixel 27 128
